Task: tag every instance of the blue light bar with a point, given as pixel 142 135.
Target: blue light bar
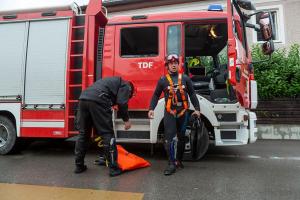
pixel 215 7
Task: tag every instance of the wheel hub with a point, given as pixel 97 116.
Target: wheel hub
pixel 3 135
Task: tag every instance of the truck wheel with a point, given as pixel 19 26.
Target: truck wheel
pixel 8 135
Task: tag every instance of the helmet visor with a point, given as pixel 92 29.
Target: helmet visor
pixel 172 58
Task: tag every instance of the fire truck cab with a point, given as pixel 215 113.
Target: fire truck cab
pixel 49 57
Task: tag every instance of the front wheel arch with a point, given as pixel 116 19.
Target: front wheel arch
pixel 8 135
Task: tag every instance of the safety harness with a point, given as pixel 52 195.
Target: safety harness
pixel 173 100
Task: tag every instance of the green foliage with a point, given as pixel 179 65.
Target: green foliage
pixel 280 76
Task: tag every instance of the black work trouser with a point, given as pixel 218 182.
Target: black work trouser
pixel 174 129
pixel 99 116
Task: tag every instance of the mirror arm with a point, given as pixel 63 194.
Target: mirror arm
pixel 245 16
pixel 257 29
pixel 255 13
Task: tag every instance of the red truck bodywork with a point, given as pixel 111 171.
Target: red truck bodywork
pixel 142 71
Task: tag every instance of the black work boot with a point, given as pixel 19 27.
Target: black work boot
pixel 179 164
pixel 111 153
pixel 171 169
pixel 100 161
pixel 114 171
pixel 180 152
pixel 80 168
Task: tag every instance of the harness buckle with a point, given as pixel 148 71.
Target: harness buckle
pixel 179 104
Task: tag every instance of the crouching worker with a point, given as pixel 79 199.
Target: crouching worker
pixel 95 110
pixel 176 88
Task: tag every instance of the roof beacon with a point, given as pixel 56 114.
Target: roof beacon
pixel 215 7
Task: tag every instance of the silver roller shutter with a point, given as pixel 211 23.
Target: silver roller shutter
pixel 46 62
pixel 13 39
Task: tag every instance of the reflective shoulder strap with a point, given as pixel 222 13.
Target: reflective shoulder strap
pixel 169 102
pixel 185 104
pixel 169 79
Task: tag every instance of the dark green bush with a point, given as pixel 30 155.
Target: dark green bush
pixel 280 76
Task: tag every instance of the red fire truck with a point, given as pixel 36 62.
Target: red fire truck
pixel 47 57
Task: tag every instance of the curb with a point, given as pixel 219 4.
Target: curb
pixel 278 131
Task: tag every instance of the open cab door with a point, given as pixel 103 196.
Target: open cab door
pixel 240 67
pixel 240 70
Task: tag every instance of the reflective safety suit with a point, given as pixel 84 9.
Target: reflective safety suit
pixel 174 125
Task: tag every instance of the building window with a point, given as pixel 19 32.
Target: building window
pixel 277 17
pixel 139 42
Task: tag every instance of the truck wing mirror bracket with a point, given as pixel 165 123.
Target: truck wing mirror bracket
pixel 245 4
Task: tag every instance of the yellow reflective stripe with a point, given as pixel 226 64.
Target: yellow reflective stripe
pixel 185 105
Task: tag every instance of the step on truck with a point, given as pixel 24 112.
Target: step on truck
pixel 48 56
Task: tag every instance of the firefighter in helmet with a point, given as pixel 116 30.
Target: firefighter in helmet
pixel 176 87
pixel 95 110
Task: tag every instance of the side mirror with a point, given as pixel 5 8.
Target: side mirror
pixel 266 25
pixel 268 47
pixel 245 4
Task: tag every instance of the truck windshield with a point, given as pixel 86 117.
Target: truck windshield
pixel 207 63
pixel 205 47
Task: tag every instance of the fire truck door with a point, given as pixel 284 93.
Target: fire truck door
pixel 238 58
pixel 139 57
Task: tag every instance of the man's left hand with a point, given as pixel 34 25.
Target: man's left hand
pixel 127 125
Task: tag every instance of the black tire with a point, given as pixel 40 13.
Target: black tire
pixel 8 135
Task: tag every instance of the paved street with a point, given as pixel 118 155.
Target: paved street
pixel 264 170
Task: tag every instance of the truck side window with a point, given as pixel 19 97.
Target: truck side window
pixel 139 42
pixel 174 40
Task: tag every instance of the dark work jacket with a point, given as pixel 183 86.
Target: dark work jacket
pixel 162 86
pixel 112 91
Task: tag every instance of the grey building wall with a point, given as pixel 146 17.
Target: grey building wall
pixel 292 20
pixel 288 16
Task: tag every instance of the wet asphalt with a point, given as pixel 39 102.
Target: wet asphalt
pixel 264 170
